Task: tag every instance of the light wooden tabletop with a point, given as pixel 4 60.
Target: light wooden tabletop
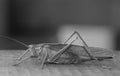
pixel 31 67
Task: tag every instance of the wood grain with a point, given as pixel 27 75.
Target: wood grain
pixel 31 67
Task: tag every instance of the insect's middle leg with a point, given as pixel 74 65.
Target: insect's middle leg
pixel 43 57
pixel 22 61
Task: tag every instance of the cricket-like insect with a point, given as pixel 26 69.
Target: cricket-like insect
pixel 64 53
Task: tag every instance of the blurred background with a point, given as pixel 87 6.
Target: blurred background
pixel 42 21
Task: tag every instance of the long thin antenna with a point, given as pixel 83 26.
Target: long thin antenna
pixel 14 40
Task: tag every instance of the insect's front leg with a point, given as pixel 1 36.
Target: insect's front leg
pixel 23 54
pixel 21 61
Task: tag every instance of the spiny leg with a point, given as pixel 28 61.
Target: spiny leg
pixel 60 52
pixel 85 47
pixel 44 57
pixel 75 32
pixel 69 38
pixel 23 54
pixel 22 61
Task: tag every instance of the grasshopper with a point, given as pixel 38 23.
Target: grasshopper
pixel 65 53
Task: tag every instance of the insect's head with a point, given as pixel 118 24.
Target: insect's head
pixel 36 46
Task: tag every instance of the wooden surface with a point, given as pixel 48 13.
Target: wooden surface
pixel 31 67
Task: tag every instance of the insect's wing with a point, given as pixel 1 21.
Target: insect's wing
pixel 95 51
pixel 100 52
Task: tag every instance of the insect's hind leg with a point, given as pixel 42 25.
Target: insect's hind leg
pixel 87 50
pixel 75 32
pixel 85 47
pixel 60 52
pixel 69 38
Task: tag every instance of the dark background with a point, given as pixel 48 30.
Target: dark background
pixel 37 21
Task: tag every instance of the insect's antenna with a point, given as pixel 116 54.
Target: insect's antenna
pixel 14 40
